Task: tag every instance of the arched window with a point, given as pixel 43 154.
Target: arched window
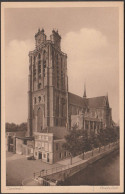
pixel 57 58
pixel 39 98
pixel 61 63
pixel 44 62
pixel 52 58
pixel 63 107
pixel 39 119
pixel 35 100
pixel 34 59
pixel 39 56
pixel 44 67
pixel 57 106
pixel 39 85
pixel 44 55
pixel 57 65
pixel 31 60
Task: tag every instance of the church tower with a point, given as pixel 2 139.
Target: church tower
pixel 48 84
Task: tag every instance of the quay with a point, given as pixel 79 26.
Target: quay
pixel 55 176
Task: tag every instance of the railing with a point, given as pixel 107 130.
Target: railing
pixel 41 177
pixel 87 155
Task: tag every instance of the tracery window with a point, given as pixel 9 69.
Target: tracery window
pixel 39 98
pixel 44 62
pixel 39 85
pixel 34 69
pixel 35 100
pixel 57 106
pixel 57 66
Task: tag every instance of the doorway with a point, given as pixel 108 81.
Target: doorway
pixel 40 155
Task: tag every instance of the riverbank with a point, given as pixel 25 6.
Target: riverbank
pixel 55 176
pixel 82 164
pixel 103 172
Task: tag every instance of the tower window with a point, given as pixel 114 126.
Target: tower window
pixel 39 98
pixel 57 71
pixel 61 79
pixel 52 59
pixel 34 72
pixel 31 60
pixel 39 56
pixel 63 106
pixel 57 106
pixel 61 62
pixel 34 59
pixel 35 100
pixel 39 85
pixel 39 68
pixel 44 66
pixel 39 62
pixel 39 75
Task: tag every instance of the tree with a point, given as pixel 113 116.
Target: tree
pixel 93 141
pixel 12 127
pixel 77 142
pixel 72 143
pixel 102 137
pixel 84 142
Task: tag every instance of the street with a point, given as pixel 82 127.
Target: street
pixel 19 168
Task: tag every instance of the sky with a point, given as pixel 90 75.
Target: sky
pixel 90 37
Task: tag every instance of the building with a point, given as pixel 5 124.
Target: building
pixel 48 85
pixel 11 140
pixel 50 102
pixel 25 146
pixel 48 147
pixel 52 109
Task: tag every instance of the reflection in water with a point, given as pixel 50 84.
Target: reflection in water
pixel 103 172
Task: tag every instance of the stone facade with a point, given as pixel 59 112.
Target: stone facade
pixel 59 152
pixel 89 110
pixel 50 102
pixel 44 147
pixel 48 147
pixel 52 109
pixel 47 84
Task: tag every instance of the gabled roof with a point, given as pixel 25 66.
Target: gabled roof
pixel 77 100
pixel 96 102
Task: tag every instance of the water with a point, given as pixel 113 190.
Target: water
pixel 103 172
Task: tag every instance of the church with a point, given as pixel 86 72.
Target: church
pixel 50 104
pixel 52 109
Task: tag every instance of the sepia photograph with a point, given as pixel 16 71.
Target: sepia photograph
pixel 62 97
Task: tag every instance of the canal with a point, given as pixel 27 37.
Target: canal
pixel 103 172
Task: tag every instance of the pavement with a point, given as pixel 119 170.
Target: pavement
pixel 19 168
pixel 14 157
pixel 67 161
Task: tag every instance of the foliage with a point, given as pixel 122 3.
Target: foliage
pixel 12 127
pixel 79 141
pixel 72 142
pixel 108 135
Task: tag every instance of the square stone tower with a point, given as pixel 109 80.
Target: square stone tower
pixel 48 84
